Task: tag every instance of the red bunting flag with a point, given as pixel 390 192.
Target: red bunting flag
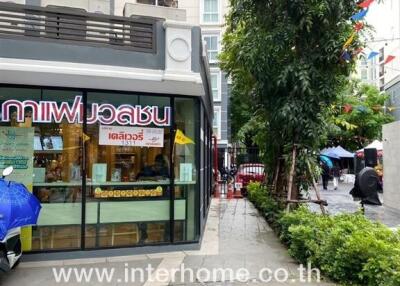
pixel 365 4
pixel 358 26
pixel 358 51
pixel 389 59
pixel 347 108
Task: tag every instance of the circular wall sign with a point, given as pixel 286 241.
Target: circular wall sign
pixel 179 49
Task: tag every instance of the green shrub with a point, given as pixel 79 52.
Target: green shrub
pixel 268 206
pixel 348 248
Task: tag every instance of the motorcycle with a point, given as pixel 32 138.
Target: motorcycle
pixel 228 175
pixel 10 246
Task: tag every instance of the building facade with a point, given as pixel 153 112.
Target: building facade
pixel 210 16
pixel 384 17
pixel 108 121
pixel 393 89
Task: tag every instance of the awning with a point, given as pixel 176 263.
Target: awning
pixel 343 153
pixel 378 145
pixel 374 145
pixel 337 152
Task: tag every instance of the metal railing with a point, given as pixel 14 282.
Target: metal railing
pixel 78 26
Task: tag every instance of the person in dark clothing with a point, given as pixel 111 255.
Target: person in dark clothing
pixel 158 171
pixel 325 175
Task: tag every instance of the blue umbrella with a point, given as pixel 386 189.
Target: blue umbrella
pixel 18 207
pixel 327 161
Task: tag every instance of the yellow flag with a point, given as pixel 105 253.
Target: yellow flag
pixel 181 139
pixel 85 137
pixel 349 41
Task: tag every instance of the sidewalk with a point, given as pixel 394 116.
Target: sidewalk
pixel 340 201
pixel 236 237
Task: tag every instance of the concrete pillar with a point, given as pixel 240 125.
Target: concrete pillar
pixel 391 165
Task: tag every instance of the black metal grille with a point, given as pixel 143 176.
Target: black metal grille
pixel 67 24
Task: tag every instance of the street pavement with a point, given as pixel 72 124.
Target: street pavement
pixel 236 236
pixel 340 201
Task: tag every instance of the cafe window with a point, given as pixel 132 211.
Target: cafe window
pixel 128 184
pixel 186 182
pixel 117 152
pixel 54 176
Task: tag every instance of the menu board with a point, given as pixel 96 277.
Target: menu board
pixel 16 150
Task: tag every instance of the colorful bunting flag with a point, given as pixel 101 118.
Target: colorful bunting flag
pixel 365 4
pixel 389 59
pixel 377 108
pixel 372 55
pixel 361 108
pixel 358 51
pixel 349 40
pixel 360 15
pixel 347 108
pixel 358 26
pixel 346 56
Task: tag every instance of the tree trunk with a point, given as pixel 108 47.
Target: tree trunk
pixel 290 193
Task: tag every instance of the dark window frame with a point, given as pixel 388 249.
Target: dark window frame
pixel 199 106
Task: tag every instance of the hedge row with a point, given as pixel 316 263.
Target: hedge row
pixel 348 248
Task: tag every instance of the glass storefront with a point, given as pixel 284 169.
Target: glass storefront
pixel 104 165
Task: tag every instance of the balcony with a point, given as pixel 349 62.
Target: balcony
pixel 76 26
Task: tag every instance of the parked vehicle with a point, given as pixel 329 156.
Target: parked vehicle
pixel 10 246
pixel 250 172
pixel 228 175
pixel 18 207
pixel 10 250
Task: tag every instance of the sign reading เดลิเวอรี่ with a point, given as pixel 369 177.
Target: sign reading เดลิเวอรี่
pixel 131 136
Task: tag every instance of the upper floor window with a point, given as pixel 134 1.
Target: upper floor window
pixel 165 3
pixel 363 61
pixel 217 122
pixel 216 85
pixel 364 74
pixel 212 47
pixel 210 11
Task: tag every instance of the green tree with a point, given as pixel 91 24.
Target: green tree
pixel 357 116
pixel 284 58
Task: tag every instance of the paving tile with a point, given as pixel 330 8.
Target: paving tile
pixel 236 237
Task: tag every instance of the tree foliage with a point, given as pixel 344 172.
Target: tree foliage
pixel 284 58
pixel 357 116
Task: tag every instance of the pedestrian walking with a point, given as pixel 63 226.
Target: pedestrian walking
pixel 325 175
pixel 336 175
